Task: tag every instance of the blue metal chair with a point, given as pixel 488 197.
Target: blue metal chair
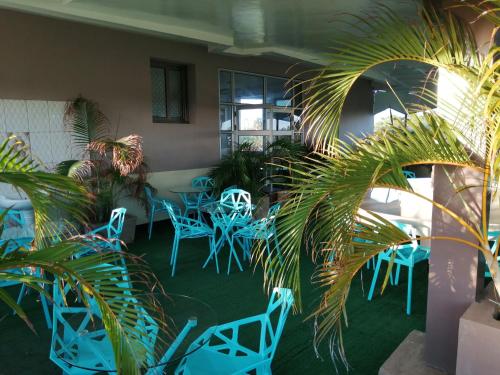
pixel 263 230
pixel 224 353
pixel 155 205
pixel 111 231
pixel 76 344
pixel 205 183
pixel 493 237
pixel 15 219
pixel 409 174
pixel 194 200
pixel 407 255
pixel 186 227
pixel 234 211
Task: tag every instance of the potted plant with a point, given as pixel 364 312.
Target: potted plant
pixel 51 193
pixel 110 168
pixel 259 173
pixel 326 195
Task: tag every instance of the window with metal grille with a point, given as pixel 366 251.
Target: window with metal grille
pixel 169 92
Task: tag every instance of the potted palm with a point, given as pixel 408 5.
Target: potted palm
pixel 111 169
pixel 50 193
pixel 325 196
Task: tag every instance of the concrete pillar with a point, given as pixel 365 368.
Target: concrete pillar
pixel 455 272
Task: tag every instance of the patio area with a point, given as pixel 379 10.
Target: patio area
pixel 377 327
pixel 314 184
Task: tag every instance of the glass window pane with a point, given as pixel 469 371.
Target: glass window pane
pixel 257 141
pixel 281 121
pixel 226 117
pixel 226 141
pixel 226 91
pixel 277 92
pixel 297 120
pixel 251 119
pixel 174 94
pixel 248 89
pixel 158 92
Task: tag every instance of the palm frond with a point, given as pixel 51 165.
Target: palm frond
pixel 86 121
pixel 440 40
pixel 98 278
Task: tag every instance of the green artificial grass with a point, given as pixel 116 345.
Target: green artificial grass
pixel 375 328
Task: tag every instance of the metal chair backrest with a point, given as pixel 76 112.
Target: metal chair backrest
pixel 277 311
pixel 115 225
pixel 236 200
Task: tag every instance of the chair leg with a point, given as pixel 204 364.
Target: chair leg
pixel 175 249
pixel 46 312
pixel 211 241
pixel 398 270
pixel 374 279
pixel 408 296
pixel 232 253
pixel 151 218
pixel 22 292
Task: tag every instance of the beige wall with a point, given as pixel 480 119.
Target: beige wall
pixel 49 59
pixel 43 58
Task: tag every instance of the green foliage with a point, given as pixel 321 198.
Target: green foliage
pixel 251 170
pixel 111 168
pixel 54 198
pixel 323 212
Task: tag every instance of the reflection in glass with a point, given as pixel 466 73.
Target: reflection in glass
pixel 277 92
pixel 257 141
pixel 250 119
pixel 225 117
pixel 226 140
pixel 281 121
pixel 248 89
pixel 225 87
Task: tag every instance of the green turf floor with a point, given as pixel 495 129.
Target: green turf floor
pixel 375 328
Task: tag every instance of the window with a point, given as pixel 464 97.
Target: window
pixel 169 92
pixel 256 109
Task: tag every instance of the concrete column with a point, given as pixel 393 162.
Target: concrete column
pixel 455 272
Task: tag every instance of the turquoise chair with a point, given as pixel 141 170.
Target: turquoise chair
pixel 73 347
pixel 111 231
pixel 15 219
pixel 155 206
pixel 409 174
pixel 493 237
pixel 206 183
pixel 186 227
pixel 225 354
pixel 234 211
pixel 263 230
pixel 407 255
pixel 193 201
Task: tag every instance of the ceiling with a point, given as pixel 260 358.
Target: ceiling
pixel 295 30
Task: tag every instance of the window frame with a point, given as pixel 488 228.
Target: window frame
pixel 268 110
pixel 184 108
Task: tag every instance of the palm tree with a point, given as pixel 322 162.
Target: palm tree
pixel 323 210
pixel 111 167
pixel 54 253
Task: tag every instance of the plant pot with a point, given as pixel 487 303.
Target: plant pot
pixel 128 232
pixel 479 337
